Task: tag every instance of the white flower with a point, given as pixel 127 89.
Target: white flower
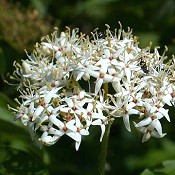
pixel 121 80
pixel 149 130
pixel 73 129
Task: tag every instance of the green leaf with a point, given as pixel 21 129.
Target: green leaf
pixel 16 135
pixel 16 162
pixel 168 167
pixel 147 172
pixel 4 100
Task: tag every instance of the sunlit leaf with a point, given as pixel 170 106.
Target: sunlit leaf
pixel 147 172
pixel 168 167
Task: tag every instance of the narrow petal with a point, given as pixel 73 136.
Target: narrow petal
pixel 69 102
pixel 146 137
pixel 128 74
pixel 144 122
pixel 50 95
pixel 108 78
pixel 158 127
pixel 165 113
pixel 97 122
pixel 102 132
pixel 167 99
pixel 84 132
pixel 50 46
pixel 70 125
pixel 157 135
pixel 49 140
pixel 56 121
pixel 126 122
pixel 90 107
pixel 38 111
pixel 74 136
pixel 77 145
pixel 55 132
pixel 80 74
pixel 98 85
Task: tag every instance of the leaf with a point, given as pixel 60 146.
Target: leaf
pixel 4 100
pixel 7 116
pixel 168 167
pixel 147 172
pixel 16 135
pixel 16 162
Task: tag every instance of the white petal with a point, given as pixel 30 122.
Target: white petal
pixel 84 132
pixel 133 111
pixel 128 74
pixel 131 105
pixel 118 53
pixel 26 67
pixel 148 106
pixel 158 127
pixel 97 122
pixel 90 107
pixel 82 94
pixel 77 145
pixel 167 99
pixel 50 46
pixel 153 109
pixel 31 108
pixel 69 102
pixel 102 132
pixel 144 122
pixel 66 109
pixel 157 135
pixel 93 73
pixel 86 76
pixel 117 86
pixel 25 119
pixel 44 118
pixel 80 74
pixel 50 95
pixel 165 113
pixel 38 111
pixel 126 122
pixel 56 121
pixel 108 78
pixel 141 86
pixel 74 136
pixel 55 132
pixel 77 121
pixel 70 125
pixel 98 85
pixel 146 137
pixel 49 140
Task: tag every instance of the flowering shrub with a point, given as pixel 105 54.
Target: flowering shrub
pixel 72 82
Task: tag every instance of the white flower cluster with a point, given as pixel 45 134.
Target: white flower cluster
pixel 72 82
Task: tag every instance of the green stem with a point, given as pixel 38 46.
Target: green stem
pixel 105 88
pixel 103 150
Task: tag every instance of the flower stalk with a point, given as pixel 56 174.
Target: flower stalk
pixel 104 150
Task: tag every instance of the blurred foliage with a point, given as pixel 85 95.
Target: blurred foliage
pixel 14 162
pixel 22 23
pixel 21 28
pixel 167 168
